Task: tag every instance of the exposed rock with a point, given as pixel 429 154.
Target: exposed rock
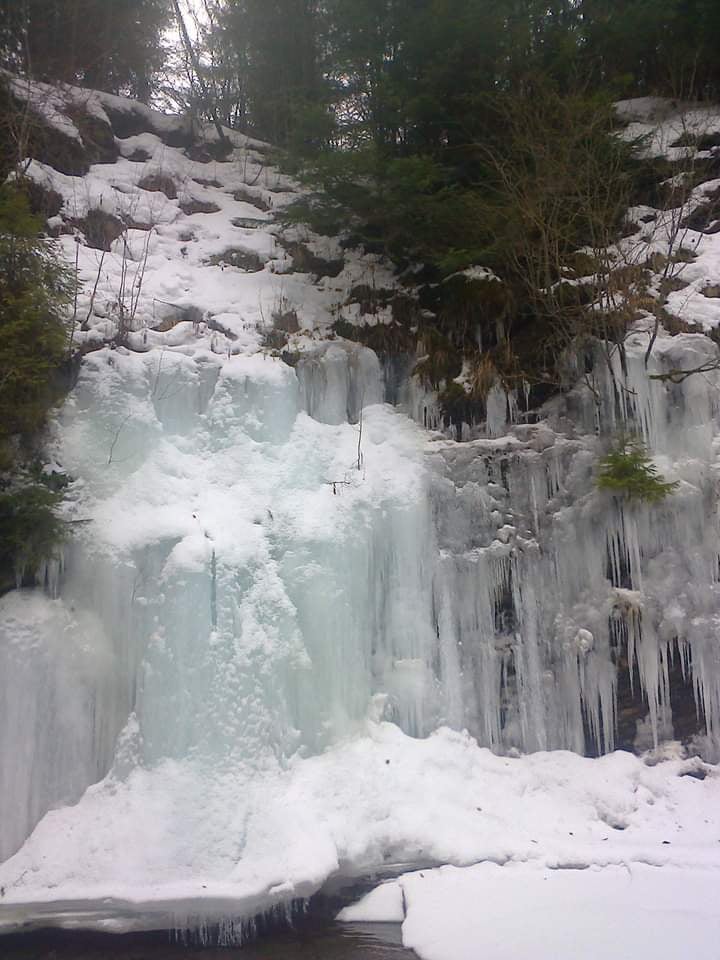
pixel 237 257
pixel 101 229
pixel 193 206
pixel 705 218
pixel 44 201
pixel 159 183
pixel 139 155
pixel 133 118
pixel 248 223
pixel 97 136
pixel 44 143
pixel 246 196
pixel 203 152
pixel 305 261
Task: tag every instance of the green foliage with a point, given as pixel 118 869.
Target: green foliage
pixel 629 472
pixel 404 207
pixel 276 49
pixel 455 404
pixel 30 531
pixel 35 291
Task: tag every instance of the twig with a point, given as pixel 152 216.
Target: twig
pixel 91 306
pixel 678 376
pixel 75 296
pixel 359 444
pixel 116 438
pixel 335 484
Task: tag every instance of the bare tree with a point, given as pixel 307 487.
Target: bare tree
pixel 196 75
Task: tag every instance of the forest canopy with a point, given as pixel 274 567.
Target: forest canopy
pixel 408 75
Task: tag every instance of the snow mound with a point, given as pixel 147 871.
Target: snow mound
pixel 192 839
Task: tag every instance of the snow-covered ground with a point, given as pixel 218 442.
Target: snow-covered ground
pixel 161 264
pixel 522 910
pixel 567 849
pixel 284 601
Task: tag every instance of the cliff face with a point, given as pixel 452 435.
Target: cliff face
pixel 268 556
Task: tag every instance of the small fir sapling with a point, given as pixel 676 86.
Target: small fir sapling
pixel 628 471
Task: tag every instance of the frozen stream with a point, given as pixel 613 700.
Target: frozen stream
pixel 309 941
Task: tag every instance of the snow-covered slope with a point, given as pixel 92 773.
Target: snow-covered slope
pixel 277 582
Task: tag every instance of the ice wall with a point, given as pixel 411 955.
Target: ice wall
pixel 243 578
pixel 550 594
pixel 249 580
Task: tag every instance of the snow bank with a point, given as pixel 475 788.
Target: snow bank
pixel 520 911
pixel 189 838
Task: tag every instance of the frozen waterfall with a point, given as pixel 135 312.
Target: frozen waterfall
pixel 249 581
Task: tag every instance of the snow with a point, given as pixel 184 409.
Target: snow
pixel 476 272
pixel 384 904
pixel 519 911
pixel 661 123
pixel 190 837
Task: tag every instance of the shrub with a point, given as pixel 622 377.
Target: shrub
pixel 628 471
pixel 35 292
pixel 30 531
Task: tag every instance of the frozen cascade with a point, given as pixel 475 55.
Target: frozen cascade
pixel 265 586
pixel 243 586
pixel 548 590
pixel 338 381
pixel 263 589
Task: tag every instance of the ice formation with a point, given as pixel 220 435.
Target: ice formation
pixel 267 556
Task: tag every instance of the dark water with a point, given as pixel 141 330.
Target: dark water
pixel 309 941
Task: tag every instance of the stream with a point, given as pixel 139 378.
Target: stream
pixel 312 940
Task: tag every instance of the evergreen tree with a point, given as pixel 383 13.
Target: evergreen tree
pixel 113 45
pixel 639 47
pixel 278 43
pixel 627 471
pixel 35 290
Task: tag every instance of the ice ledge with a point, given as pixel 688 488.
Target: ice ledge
pixel 230 918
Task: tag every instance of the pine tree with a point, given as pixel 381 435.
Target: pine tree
pixel 113 45
pixel 629 472
pixel 35 290
pixel 279 44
